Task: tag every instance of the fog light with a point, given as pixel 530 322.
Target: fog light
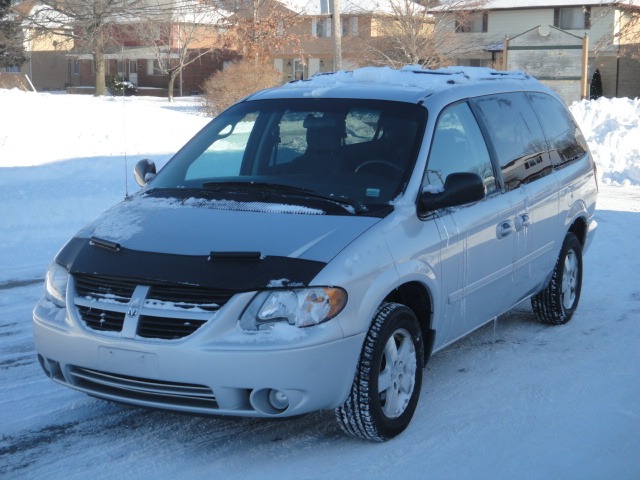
pixel 278 400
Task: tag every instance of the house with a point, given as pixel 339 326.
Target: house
pixel 47 64
pixel 363 24
pixel 186 34
pixel 474 37
pixel 144 53
pixel 183 32
pixel 603 21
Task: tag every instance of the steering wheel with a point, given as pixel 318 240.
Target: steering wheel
pixel 379 167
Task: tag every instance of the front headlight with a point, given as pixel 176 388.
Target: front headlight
pixel 299 307
pixel 56 284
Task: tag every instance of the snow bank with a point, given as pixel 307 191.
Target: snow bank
pixel 612 129
pixel 44 128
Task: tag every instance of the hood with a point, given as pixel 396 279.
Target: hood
pixel 214 244
pixel 199 227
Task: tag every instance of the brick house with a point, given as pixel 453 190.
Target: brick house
pixel 361 22
pixel 132 59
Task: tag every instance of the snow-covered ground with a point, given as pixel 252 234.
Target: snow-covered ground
pixel 516 399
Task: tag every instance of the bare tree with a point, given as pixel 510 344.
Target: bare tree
pixel 425 33
pixel 93 25
pixel 256 30
pixel 182 35
pixel 11 42
pixel 623 33
pixel 628 33
pixel 259 28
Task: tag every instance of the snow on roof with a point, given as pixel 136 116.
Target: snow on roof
pixel 324 7
pixel 411 78
pixel 195 11
pixel 511 4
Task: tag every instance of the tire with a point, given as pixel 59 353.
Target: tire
pixel 556 303
pixel 384 394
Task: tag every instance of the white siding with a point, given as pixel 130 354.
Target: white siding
pixel 602 26
pixel 515 22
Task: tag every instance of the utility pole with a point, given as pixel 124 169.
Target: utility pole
pixel 337 35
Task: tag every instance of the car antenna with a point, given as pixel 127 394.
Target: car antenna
pixel 124 136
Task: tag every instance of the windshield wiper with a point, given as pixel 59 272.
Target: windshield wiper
pixel 276 188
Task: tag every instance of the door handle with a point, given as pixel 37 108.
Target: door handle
pixel 504 229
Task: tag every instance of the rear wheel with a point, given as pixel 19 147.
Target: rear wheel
pixel 556 303
pixel 388 378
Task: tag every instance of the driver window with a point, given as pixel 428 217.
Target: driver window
pixel 458 146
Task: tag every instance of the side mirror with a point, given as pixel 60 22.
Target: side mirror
pixel 144 171
pixel 459 189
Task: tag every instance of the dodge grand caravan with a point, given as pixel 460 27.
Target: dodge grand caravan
pixel 315 243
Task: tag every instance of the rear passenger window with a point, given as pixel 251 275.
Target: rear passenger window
pixel 458 146
pixel 566 142
pixel 361 125
pixel 517 137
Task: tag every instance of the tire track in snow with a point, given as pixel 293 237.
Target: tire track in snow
pixel 20 283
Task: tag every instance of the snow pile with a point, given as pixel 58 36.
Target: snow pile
pixel 612 129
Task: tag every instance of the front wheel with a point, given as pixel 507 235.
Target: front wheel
pixel 556 303
pixel 388 377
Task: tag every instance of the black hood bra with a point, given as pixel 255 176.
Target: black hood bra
pixel 231 271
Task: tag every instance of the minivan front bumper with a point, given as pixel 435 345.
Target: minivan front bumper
pixel 256 377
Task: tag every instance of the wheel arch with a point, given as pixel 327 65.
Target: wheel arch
pixel 579 229
pixel 417 297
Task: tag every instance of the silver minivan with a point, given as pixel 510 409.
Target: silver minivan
pixel 315 243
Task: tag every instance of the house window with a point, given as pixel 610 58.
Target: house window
pixel 474 62
pixel 321 27
pixel 133 66
pixel 153 67
pixel 572 18
pixel 76 67
pixel 349 27
pixel 121 68
pixel 472 22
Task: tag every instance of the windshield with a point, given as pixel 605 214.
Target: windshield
pixel 346 151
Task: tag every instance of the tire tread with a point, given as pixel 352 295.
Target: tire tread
pixel 354 416
pixel 547 304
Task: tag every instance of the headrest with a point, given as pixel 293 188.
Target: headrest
pixel 326 121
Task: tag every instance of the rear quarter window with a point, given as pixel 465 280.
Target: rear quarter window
pixel 517 137
pixel 566 142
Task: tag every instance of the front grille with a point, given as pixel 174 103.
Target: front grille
pixel 189 297
pixel 103 320
pixel 167 328
pixel 159 392
pixel 168 312
pixel 104 288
